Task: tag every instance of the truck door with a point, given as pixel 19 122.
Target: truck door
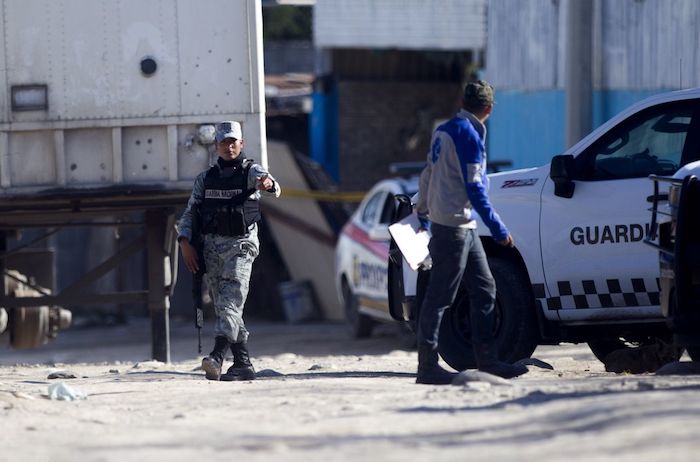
pixel 594 259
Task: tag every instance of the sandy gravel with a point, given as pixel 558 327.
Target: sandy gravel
pixel 325 397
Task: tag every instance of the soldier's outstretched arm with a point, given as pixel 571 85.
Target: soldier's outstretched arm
pixel 264 181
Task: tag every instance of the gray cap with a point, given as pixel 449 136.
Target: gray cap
pixel 228 129
pixel 479 93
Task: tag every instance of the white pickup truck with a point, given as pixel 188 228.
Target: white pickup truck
pixel 580 271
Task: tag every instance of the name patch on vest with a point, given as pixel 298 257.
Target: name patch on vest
pixel 221 193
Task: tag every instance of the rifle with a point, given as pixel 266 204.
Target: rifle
pixel 198 244
pixel 198 313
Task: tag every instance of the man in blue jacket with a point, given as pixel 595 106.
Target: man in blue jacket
pixel 452 185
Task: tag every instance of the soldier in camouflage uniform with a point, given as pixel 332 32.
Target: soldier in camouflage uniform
pixel 224 207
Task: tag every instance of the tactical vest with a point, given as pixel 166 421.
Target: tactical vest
pixel 226 209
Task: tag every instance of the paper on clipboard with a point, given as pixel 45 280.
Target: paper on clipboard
pixel 411 240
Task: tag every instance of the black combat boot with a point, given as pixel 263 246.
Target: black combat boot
pixel 429 371
pixel 242 368
pixel 212 363
pixel 487 361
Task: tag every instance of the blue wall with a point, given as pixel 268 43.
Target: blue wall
pixel 529 127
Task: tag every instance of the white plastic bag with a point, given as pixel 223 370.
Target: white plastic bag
pixel 62 392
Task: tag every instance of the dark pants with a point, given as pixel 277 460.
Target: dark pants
pixel 457 254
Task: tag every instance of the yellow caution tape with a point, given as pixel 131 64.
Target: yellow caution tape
pixel 326 196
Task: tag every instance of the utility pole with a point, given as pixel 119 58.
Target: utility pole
pixel 579 70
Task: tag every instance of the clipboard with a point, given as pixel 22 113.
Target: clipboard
pixel 411 240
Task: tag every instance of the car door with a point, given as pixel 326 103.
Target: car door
pixel 372 250
pixel 595 263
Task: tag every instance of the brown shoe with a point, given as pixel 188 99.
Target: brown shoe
pixel 212 367
pixel 212 364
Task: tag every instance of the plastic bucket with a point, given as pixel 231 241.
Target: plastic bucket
pixel 297 301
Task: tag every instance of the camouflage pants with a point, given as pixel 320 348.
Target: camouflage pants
pixel 229 264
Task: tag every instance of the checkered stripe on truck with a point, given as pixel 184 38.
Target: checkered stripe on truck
pixel 599 294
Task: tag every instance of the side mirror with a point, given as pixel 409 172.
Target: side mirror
pixel 379 233
pixel 402 207
pixel 561 172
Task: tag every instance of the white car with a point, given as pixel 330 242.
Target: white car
pixel 362 253
pixel 580 271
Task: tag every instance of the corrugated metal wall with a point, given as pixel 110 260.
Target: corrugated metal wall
pixel 405 24
pixel 524 49
pixel 650 44
pixel 637 45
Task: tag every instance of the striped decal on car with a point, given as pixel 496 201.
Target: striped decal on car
pixel 609 293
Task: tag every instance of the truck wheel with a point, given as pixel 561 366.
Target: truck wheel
pixel 638 356
pixel 455 341
pixel 516 330
pixel 360 324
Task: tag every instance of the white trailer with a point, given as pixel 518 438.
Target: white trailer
pixel 108 109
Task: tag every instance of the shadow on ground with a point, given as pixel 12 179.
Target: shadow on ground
pixel 131 342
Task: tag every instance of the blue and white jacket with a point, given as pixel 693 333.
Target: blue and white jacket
pixel 454 180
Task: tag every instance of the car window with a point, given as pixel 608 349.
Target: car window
pixel 648 143
pixel 373 208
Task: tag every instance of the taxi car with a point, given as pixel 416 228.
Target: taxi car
pixel 362 253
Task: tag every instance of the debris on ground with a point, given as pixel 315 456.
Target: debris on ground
pixel 62 375
pixel 62 392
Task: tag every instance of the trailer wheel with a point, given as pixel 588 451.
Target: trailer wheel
pixel 3 320
pixel 361 325
pixel 516 330
pixel 29 326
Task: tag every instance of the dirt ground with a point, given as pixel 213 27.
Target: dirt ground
pixel 323 396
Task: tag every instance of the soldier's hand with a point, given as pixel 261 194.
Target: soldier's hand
pixel 507 242
pixel 189 254
pixel 265 183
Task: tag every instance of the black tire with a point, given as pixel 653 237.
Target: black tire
pixel 516 330
pixel 360 325
pixel 455 344
pixel 29 326
pixel 622 355
pixel 694 352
